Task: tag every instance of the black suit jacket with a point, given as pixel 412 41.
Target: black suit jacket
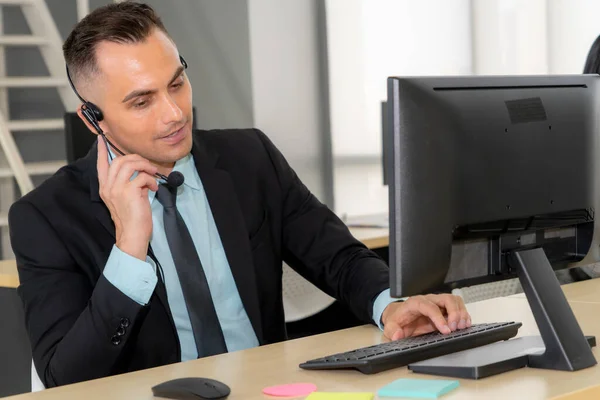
pixel 81 327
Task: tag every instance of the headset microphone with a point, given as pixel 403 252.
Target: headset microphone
pixel 175 179
pixel 93 115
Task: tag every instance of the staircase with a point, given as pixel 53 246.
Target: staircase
pixel 46 37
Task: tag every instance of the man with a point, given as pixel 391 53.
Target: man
pixel 121 272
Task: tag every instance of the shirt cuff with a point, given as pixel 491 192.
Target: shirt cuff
pixel 133 277
pixel 381 302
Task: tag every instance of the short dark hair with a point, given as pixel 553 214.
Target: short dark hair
pixel 127 22
pixel 592 63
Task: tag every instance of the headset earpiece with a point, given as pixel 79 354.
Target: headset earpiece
pixel 95 110
pixel 90 114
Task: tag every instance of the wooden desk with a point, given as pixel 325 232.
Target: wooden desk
pixel 373 238
pixel 591 393
pixel 247 372
pixel 8 267
pixel 9 280
pixel 8 274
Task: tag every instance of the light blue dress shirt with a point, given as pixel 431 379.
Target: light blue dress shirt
pixel 137 279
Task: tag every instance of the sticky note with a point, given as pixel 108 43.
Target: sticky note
pixel 418 388
pixel 290 390
pixel 340 396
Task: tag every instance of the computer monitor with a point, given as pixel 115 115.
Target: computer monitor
pixel 385 138
pixel 506 158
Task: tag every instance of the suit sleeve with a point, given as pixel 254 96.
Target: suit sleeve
pixel 319 246
pixel 77 330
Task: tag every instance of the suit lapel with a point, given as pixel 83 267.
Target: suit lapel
pixel 103 216
pixel 230 223
pixel 99 209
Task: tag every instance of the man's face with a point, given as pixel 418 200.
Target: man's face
pixel 145 97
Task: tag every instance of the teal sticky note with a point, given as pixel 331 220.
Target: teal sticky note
pixel 418 388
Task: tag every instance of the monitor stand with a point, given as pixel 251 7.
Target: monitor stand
pixel 566 347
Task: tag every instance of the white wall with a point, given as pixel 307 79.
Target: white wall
pixel 286 99
pixel 369 40
pixel 573 25
pixel 509 37
pixel 533 36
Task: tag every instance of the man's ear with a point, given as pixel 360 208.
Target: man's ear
pixel 86 122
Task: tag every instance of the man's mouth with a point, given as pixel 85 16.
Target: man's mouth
pixel 175 132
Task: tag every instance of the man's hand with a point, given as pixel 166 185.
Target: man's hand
pixel 424 314
pixel 127 199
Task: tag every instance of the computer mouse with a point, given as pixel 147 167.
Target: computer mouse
pixel 192 389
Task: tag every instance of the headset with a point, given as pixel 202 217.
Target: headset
pixel 94 115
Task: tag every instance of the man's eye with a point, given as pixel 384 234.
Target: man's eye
pixel 140 104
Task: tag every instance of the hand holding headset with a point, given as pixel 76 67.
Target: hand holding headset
pixel 94 115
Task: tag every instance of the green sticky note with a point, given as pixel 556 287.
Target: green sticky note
pixel 418 388
pixel 340 396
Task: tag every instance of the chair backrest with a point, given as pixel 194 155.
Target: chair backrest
pixel 36 382
pixel 79 139
pixel 301 299
pixel 15 348
pixel 485 291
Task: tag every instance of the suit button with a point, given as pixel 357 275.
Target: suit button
pixel 124 322
pixel 120 331
pixel 116 340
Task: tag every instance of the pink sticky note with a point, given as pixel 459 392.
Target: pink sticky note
pixel 291 390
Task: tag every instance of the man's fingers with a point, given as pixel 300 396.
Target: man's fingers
pixel 127 169
pixel 456 309
pixel 123 168
pixel 394 331
pixel 463 312
pixel 433 312
pixel 390 329
pixel 424 314
pixel 144 181
pixel 421 327
pixel 453 309
pixel 400 334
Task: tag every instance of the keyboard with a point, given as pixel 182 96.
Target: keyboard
pixel 384 356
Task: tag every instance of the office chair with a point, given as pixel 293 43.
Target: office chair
pixel 15 348
pixel 79 139
pixel 509 287
pixel 485 291
pixel 301 299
